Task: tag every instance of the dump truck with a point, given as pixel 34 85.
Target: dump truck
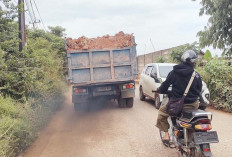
pixel 102 67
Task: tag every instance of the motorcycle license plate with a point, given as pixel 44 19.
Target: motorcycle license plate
pixel 205 137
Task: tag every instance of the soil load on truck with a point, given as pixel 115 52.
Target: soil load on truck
pixel 119 40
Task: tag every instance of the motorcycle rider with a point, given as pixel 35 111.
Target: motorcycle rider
pixel 179 78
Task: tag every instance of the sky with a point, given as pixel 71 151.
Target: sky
pixel 163 23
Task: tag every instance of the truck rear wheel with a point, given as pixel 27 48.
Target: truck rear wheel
pixel 129 102
pixel 121 102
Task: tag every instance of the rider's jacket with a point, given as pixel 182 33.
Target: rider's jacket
pixel 179 78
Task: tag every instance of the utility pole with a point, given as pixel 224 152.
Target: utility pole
pixel 22 27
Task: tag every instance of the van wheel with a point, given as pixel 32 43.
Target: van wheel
pixel 121 102
pixel 130 102
pixel 157 102
pixel 141 95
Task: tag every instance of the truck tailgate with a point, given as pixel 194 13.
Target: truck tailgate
pixel 96 66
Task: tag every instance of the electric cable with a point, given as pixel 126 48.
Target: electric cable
pixel 28 7
pixel 32 9
pixel 40 16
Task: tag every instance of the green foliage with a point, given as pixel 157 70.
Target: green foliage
pixel 20 124
pixel 163 59
pixel 160 59
pixel 218 76
pixel 208 56
pixel 58 31
pixel 178 51
pixel 218 31
pixel 34 70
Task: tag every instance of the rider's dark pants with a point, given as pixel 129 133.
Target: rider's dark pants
pixel 162 119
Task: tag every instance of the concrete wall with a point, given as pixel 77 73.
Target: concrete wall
pixel 142 60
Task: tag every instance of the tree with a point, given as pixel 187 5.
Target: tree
pixel 57 30
pixel 160 59
pixel 8 27
pixel 178 51
pixel 218 31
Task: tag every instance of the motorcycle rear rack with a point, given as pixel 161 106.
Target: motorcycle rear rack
pixel 196 115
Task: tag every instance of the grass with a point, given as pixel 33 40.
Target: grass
pixel 20 123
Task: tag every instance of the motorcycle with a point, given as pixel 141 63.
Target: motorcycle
pixel 190 133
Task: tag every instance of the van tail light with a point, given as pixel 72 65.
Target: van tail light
pixel 204 124
pixel 80 90
pixel 128 86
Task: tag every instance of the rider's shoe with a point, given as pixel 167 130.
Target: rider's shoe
pixel 165 142
pixel 172 145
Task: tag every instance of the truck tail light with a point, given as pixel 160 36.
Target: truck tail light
pixel 128 86
pixel 80 90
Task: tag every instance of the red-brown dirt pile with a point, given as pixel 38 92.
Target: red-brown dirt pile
pixel 120 40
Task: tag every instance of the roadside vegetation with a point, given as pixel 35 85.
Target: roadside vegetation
pixel 217 73
pixel 31 81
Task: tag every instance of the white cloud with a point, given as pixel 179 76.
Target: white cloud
pixel 167 22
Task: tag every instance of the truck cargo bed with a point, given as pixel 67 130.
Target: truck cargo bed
pixel 101 66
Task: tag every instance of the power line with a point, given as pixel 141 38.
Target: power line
pixel 29 11
pixel 39 15
pixel 32 10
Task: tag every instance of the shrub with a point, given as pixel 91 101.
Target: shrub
pixel 218 76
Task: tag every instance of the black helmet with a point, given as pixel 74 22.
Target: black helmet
pixel 189 57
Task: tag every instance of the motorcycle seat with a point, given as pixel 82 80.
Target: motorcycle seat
pixel 188 115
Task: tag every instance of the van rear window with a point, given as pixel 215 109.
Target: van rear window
pixel 164 70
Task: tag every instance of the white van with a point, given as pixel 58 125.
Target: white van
pixel 151 78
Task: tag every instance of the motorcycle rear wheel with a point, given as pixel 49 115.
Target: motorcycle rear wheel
pixel 196 152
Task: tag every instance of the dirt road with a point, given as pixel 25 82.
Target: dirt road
pixel 109 131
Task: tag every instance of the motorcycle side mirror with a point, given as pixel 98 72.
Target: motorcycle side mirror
pixel 154 76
